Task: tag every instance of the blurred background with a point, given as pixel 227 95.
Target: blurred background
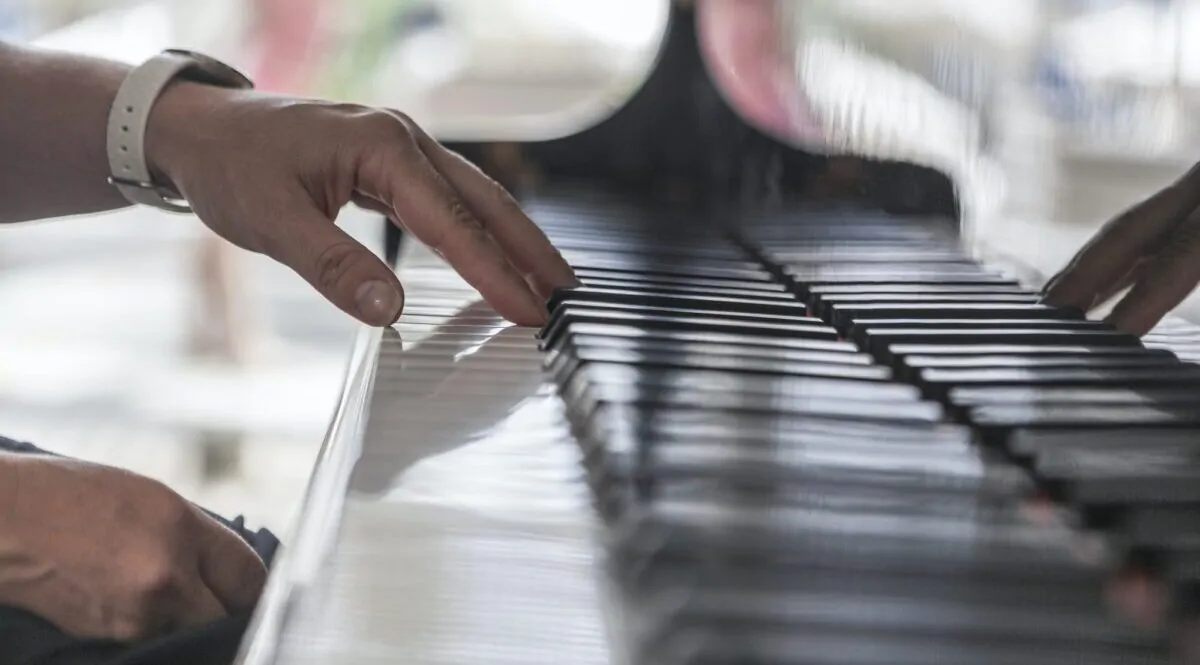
pixel 136 339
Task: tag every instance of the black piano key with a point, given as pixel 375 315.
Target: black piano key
pixel 860 331
pixel 1066 397
pixel 819 471
pixel 917 615
pixel 625 426
pixel 1181 375
pixel 656 582
pixel 760 305
pixel 804 272
pixel 669 360
pixel 1141 528
pixel 862 255
pixel 822 305
pixel 686 284
pixel 691 533
pixel 867 282
pixel 881 341
pixel 1107 476
pixel 986 349
pixel 713 324
pixel 692 290
pixel 698 270
pixel 824 385
pixel 852 312
pixel 901 288
pixel 589 398
pixel 717 643
pixel 763 280
pixel 719 349
pixel 618 332
pixel 571 307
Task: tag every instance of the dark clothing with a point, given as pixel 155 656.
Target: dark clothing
pixel 26 639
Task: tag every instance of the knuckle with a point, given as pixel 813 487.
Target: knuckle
pixel 385 126
pixel 335 262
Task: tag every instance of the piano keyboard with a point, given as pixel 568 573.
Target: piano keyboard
pixel 829 438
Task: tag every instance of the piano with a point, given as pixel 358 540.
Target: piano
pixel 768 429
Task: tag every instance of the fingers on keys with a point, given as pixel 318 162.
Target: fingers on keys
pixel 1148 248
pixel 466 218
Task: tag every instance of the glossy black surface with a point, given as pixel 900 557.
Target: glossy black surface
pixel 847 401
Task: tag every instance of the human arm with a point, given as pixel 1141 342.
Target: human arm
pixel 53 114
pixel 270 174
pixel 101 552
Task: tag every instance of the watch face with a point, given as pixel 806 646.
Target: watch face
pixel 206 69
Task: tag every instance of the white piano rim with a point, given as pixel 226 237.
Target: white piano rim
pixel 321 508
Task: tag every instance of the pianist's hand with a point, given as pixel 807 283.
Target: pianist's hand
pixel 101 552
pixel 270 174
pixel 1153 247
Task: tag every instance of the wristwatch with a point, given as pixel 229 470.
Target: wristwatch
pixel 130 114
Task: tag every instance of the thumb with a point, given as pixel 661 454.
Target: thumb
pixel 349 275
pixel 229 567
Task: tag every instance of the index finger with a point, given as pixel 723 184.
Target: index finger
pixel 526 246
pixel 1124 240
pixel 399 175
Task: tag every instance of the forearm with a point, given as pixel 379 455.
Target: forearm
pixel 53 116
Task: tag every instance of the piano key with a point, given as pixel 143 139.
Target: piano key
pixel 690 533
pixel 986 349
pixel 667 360
pixel 901 288
pixel 1165 473
pixel 731 314
pixel 915 615
pixel 873 271
pixel 880 341
pixel 764 305
pixel 617 332
pixel 715 324
pixel 574 340
pixel 714 286
pixel 802 284
pixel 1158 527
pixel 599 267
pixel 1181 375
pixel 819 385
pixel 853 312
pixel 590 398
pixel 821 305
pixel 820 472
pixel 1067 397
pixel 716 643
pixel 860 331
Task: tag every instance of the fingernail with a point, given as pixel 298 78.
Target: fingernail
pixel 378 303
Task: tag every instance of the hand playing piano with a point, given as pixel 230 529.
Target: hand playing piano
pixel 270 174
pixel 1152 249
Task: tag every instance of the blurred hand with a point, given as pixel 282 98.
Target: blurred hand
pixel 101 552
pixel 270 174
pixel 1152 249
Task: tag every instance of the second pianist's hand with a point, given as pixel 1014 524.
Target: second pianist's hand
pixel 1153 247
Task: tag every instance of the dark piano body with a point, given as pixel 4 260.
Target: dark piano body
pixel 816 431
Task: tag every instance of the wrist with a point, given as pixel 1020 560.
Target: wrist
pixel 176 128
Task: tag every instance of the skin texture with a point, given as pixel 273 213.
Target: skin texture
pixel 270 174
pixel 1149 249
pixel 101 552
pixel 105 553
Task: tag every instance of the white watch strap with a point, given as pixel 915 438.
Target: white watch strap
pixel 127 123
